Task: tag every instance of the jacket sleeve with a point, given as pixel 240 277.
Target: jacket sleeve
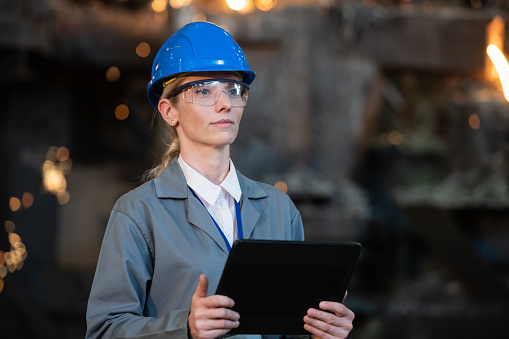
pixel 121 287
pixel 297 227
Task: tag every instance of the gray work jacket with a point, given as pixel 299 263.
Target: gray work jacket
pixel 158 241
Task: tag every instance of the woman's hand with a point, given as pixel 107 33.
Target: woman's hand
pixel 333 320
pixel 210 316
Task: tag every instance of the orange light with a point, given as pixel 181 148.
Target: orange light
pixel 502 67
pixel 113 74
pixel 14 204
pixel 121 112
pixel 474 122
pixel 159 5
pixel 27 199
pixel 143 50
pixel 265 5
pixel 236 5
pixel 282 186
pixel 9 226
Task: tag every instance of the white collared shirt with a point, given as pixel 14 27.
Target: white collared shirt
pixel 219 200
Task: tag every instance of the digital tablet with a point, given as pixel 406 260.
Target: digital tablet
pixel 274 283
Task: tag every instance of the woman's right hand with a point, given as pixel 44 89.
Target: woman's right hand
pixel 210 317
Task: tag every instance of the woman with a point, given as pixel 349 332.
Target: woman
pixel 167 241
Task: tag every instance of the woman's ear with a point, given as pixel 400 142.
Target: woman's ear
pixel 168 112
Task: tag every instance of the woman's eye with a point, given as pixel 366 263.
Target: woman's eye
pixel 202 91
pixel 234 92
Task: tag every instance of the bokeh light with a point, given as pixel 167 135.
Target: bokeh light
pixel 474 122
pixel 113 74
pixel 395 138
pixel 159 5
pixel 265 5
pixel 9 226
pixel 14 239
pixel 27 200
pixel 282 186
pixel 62 154
pixel 143 50
pixel 121 112
pixel 236 5
pixel 176 4
pixel 63 197
pixel 199 17
pixel 14 204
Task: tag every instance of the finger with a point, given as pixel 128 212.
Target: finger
pixel 339 327
pixel 201 290
pixel 218 324
pixel 220 313
pixel 319 334
pixel 337 308
pixel 215 301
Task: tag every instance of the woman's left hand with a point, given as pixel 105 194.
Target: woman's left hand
pixel 332 320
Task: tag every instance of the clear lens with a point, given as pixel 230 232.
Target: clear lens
pixel 207 92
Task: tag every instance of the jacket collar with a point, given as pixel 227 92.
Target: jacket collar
pixel 171 184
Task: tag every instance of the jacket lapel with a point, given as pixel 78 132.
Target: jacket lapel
pixel 172 184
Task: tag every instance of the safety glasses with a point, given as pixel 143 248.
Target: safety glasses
pixel 207 92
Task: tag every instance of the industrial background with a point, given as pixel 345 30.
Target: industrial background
pixel 384 120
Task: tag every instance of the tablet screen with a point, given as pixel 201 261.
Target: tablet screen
pixel 274 283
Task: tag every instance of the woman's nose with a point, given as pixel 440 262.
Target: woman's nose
pixel 223 100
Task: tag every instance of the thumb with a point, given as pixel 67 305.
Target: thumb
pixel 201 290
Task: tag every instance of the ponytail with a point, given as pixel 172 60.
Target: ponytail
pixel 173 147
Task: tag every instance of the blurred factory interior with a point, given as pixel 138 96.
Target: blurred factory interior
pixel 384 120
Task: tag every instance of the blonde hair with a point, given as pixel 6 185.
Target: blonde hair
pixel 173 145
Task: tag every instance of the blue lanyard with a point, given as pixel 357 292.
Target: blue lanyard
pixel 239 221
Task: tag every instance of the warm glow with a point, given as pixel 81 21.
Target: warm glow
pixel 3 271
pixel 54 180
pixel 501 66
pixel 179 3
pixel 63 197
pixel 121 112
pixel 62 154
pixel 282 186
pixel 2 258
pixel 143 49
pixel 236 5
pixel 27 199
pixel 52 153
pixel 113 74
pixel 199 17
pixel 395 138
pixel 265 5
pixel 159 5
pixel 474 122
pixel 176 3
pixel 1 285
pixel 14 204
pixel 14 239
pixel 9 226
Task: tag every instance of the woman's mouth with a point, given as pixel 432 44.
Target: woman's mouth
pixel 223 123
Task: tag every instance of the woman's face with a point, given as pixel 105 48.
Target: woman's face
pixel 214 126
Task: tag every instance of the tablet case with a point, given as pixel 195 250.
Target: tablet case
pixel 274 283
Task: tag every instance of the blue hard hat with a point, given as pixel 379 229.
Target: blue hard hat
pixel 197 47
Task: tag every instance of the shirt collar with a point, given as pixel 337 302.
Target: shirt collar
pixel 208 190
